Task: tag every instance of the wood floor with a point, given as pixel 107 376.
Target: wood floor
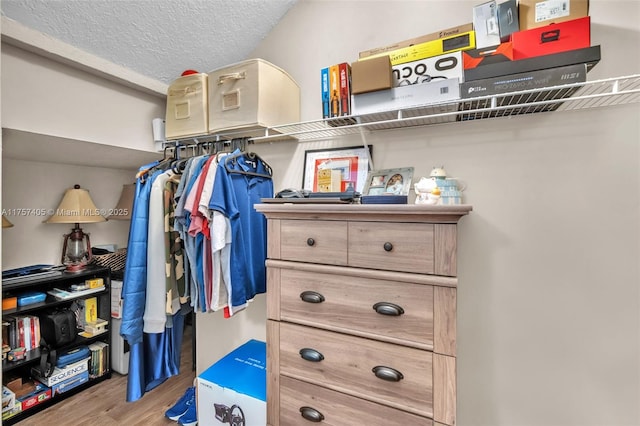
pixel 105 404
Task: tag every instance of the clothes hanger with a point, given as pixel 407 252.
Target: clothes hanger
pixel 250 157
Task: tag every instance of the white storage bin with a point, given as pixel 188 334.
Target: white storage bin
pixel 249 96
pixel 187 112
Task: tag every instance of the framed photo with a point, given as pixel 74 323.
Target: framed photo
pixel 389 182
pixel 352 162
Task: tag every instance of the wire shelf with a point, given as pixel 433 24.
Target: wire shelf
pixel 591 94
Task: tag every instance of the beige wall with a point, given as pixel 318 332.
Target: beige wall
pixel 549 299
pixel 549 302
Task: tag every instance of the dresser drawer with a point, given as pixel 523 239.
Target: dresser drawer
pixel 314 241
pixel 324 300
pixel 335 408
pixel 393 246
pixel 346 364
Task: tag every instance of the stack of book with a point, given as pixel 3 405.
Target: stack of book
pixel 335 83
pixel 99 362
pixel 21 332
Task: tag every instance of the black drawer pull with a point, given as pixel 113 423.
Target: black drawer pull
pixel 311 297
pixel 388 246
pixel 310 242
pixel 311 355
pixel 388 308
pixel 387 373
pixel 311 414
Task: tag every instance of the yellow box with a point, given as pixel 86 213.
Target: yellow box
pixel 94 283
pixel 464 41
pixel 417 40
pixel 329 180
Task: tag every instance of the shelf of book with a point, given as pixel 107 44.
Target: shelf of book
pixel 21 329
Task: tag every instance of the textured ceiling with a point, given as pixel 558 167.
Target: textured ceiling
pixel 156 38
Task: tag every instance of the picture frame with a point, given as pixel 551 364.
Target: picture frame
pixel 389 182
pixel 352 161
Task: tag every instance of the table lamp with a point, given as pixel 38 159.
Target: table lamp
pixel 6 223
pixel 124 208
pixel 76 207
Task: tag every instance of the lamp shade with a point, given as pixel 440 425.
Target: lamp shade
pixel 6 223
pixel 123 209
pixel 76 207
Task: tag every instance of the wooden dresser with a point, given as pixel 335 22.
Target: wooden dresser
pixel 361 306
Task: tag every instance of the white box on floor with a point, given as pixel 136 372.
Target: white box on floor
pixel 249 96
pixel 119 349
pixel 234 389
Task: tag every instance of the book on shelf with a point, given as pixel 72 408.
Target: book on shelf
pixel 61 294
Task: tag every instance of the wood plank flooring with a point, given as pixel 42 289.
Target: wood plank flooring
pixel 105 404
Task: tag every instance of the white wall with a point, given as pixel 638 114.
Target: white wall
pixel 37 185
pixel 549 299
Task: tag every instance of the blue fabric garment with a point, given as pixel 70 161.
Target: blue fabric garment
pixel 134 285
pixel 162 358
pixel 234 195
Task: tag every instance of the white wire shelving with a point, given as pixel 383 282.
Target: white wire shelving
pixel 576 96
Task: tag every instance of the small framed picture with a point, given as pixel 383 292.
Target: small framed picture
pixel 389 182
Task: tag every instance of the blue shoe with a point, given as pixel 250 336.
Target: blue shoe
pixel 182 405
pixel 190 418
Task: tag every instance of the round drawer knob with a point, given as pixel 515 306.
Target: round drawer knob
pixel 310 242
pixel 388 246
pixel 311 414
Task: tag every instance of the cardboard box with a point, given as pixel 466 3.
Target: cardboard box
pixel 8 399
pixel 589 56
pixel 40 394
pixel 485 24
pixel 234 389
pixel 116 299
pixel 9 303
pixel 449 65
pixel 489 55
pixel 508 20
pixel 187 111
pixel 554 38
pixel 417 40
pixel 60 375
pixel 249 96
pixel 70 383
pixel 119 349
pixel 371 75
pixel 416 95
pixel 524 81
pixel 428 49
pixel 537 13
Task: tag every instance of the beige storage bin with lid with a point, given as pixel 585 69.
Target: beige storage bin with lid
pixel 187 112
pixel 249 96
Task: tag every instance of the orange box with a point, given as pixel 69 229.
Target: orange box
pixel 9 303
